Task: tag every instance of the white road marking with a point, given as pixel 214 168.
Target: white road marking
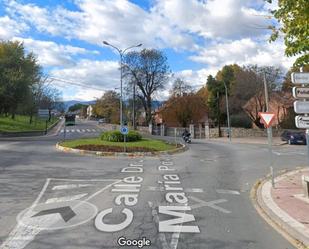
pixel 211 204
pixel 72 130
pixel 70 186
pixel 88 130
pixel 187 190
pixel 93 130
pixel 83 130
pixel 62 131
pixel 78 130
pixel 66 198
pixel 22 235
pixel 227 191
pixel 162 236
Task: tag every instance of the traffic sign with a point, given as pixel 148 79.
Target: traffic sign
pixel 124 130
pixel 301 107
pixel 43 113
pixel 301 92
pixel 300 78
pixel 267 118
pixel 302 122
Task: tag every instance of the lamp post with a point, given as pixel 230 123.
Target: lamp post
pixel 121 54
pixel 228 112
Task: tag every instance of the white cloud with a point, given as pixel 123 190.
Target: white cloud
pixel 52 54
pixel 82 94
pixel 10 28
pixel 217 19
pixel 98 74
pixel 245 51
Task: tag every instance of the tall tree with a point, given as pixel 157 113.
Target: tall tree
pixel 293 17
pixel 148 69
pixel 108 106
pixel 18 72
pixel 184 109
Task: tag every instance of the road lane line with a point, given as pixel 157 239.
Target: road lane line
pixel 187 190
pixel 162 236
pixel 66 198
pixel 211 204
pixel 70 186
pixel 227 191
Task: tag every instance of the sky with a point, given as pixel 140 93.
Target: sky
pixel 198 37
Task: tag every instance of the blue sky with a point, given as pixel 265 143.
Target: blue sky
pixel 197 36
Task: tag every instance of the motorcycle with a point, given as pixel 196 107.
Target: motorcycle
pixel 187 138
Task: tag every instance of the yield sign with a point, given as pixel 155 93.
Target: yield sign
pixel 267 118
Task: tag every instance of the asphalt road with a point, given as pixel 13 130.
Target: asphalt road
pixel 50 199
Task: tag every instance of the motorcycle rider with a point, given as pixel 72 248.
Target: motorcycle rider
pixel 186 134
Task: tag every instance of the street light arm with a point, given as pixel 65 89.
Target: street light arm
pixel 136 46
pixel 108 44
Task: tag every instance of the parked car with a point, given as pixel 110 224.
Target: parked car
pixel 293 137
pixel 101 121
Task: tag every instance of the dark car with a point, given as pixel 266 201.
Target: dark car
pixel 293 137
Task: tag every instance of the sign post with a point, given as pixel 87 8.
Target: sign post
pixel 124 131
pixel 44 113
pixel 267 118
pixel 301 106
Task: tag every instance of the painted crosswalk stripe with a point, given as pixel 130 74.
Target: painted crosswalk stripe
pixel 88 130
pixel 93 130
pixel 83 130
pixel 65 198
pixel 72 130
pixel 78 130
pixel 70 186
pixel 62 131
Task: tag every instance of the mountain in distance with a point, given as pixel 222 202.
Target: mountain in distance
pixel 69 103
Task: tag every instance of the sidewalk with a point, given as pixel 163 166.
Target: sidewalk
pixel 250 140
pixel 286 206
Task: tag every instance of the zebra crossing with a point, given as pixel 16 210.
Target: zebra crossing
pixel 85 130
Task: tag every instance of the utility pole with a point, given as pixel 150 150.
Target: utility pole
pixel 133 121
pixel 228 113
pixel 218 114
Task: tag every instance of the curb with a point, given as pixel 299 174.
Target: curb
pixel 287 231
pixel 117 154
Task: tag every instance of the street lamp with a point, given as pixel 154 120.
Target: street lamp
pixel 121 54
pixel 228 112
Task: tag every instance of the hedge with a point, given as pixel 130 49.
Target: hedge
pixel 116 136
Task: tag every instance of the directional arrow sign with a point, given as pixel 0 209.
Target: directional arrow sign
pixel 267 118
pixel 300 78
pixel 301 92
pixel 302 122
pixel 66 212
pixel 301 107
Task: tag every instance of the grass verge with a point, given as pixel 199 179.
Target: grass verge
pixel 99 145
pixel 21 124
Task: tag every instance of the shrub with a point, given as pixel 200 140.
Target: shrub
pixel 116 136
pixel 241 121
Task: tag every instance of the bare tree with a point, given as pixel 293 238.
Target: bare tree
pixel 180 88
pixel 148 70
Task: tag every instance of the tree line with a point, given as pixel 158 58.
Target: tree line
pixel 23 87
